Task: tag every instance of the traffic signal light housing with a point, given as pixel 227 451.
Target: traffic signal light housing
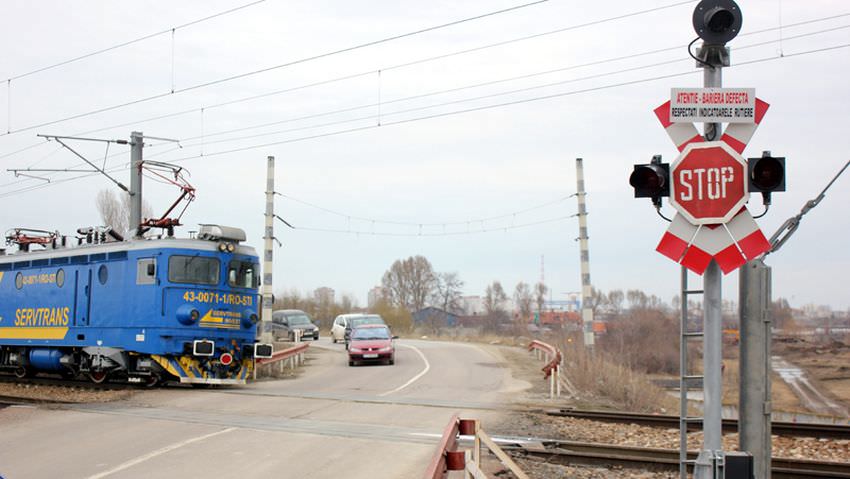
pixel 651 180
pixel 717 21
pixel 766 175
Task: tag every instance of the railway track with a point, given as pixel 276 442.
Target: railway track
pixel 81 384
pixel 569 453
pixel 794 429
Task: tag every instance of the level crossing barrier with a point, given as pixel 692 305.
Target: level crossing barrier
pixel 448 458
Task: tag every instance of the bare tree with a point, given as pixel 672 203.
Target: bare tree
pixel 115 213
pixel 615 300
pixel 494 299
pixel 637 299
pixel 448 288
pixel 523 299
pixel 540 291
pixel 410 282
pixel 598 300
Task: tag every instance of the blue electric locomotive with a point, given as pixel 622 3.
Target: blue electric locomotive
pixel 143 310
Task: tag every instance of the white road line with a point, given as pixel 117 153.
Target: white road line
pixel 414 378
pixel 158 452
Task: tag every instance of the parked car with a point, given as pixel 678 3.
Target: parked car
pixel 285 322
pixel 344 322
pixel 371 343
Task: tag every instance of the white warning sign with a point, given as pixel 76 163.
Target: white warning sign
pixel 713 105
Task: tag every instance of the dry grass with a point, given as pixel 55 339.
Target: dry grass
pixel 602 380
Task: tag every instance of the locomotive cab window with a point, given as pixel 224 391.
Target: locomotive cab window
pixel 146 271
pixel 243 274
pixel 193 269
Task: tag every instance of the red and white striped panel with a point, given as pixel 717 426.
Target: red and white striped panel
pixel 731 246
pixel 682 134
pixel 677 238
pixel 737 135
pixel 747 234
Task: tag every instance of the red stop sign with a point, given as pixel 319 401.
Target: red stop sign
pixel 708 183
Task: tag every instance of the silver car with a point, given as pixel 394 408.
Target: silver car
pixel 285 322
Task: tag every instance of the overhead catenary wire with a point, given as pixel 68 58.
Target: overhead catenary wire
pixel 445 114
pixel 131 42
pixel 428 224
pixel 447 55
pixel 431 234
pixel 207 135
pixel 275 67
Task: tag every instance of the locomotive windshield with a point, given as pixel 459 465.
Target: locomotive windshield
pixel 243 274
pixel 193 269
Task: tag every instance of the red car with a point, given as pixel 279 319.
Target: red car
pixel 371 342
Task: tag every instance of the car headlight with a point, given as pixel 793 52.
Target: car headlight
pixel 354 350
pixel 385 350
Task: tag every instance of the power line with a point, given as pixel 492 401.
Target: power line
pixel 275 67
pixel 130 42
pixel 444 114
pixel 421 224
pixel 388 114
pixel 401 65
pixel 432 234
pixel 447 55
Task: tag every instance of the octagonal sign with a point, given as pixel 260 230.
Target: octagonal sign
pixel 708 183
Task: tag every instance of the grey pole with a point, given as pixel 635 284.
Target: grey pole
pixel 586 299
pixel 137 144
pixel 714 56
pixel 268 255
pixel 754 409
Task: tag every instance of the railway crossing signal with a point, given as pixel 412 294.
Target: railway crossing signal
pixel 717 21
pixel 766 175
pixel 651 180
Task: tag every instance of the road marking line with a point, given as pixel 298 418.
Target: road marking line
pixel 158 452
pixel 414 378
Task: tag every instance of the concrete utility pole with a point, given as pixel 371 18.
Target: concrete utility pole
pixel 137 144
pixel 754 408
pixel 586 295
pixel 713 58
pixel 268 255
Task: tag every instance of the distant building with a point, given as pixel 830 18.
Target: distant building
pixel 376 294
pixel 434 317
pixel 324 295
pixel 472 305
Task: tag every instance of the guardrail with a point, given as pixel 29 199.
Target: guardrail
pixel 293 356
pixel 552 368
pixel 449 458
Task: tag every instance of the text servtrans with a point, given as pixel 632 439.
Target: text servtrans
pixel 38 317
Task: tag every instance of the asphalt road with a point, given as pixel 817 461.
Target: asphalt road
pixel 332 421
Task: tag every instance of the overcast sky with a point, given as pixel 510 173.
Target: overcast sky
pixel 403 153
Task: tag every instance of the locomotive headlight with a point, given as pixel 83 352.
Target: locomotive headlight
pixel 187 314
pixel 231 247
pixel 222 247
pixel 249 318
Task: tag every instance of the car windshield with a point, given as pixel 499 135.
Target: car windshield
pixel 366 320
pixel 370 333
pixel 299 319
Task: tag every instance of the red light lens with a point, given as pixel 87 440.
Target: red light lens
pixel 226 359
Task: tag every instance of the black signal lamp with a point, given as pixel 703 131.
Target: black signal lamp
pixel 717 21
pixel 651 180
pixel 766 175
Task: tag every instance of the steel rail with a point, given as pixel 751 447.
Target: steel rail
pixel 569 453
pixel 793 429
